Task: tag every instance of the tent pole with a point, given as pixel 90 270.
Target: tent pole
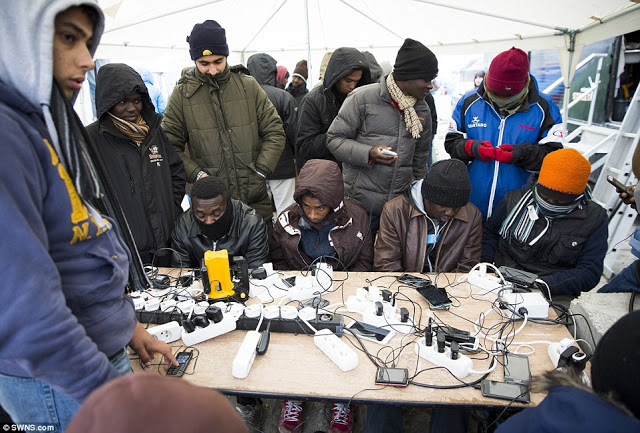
pixel 567 86
pixel 309 66
pixel 162 15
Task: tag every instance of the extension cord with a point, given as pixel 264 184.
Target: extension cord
pixel 305 288
pixel 481 279
pixel 246 355
pixel 537 307
pixel 227 324
pixel 333 322
pixel 460 367
pixel 555 350
pixel 337 351
pixel 168 332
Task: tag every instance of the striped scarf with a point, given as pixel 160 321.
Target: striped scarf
pixel 405 103
pixel 531 207
pixel 135 131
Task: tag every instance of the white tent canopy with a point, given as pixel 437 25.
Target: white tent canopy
pixel 153 32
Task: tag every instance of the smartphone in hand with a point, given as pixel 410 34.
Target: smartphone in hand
pixel 619 185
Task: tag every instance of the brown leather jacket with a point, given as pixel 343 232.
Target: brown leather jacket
pixel 402 239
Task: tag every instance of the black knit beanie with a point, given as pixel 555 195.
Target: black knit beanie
pixel 614 366
pixel 207 39
pixel 415 61
pixel 447 184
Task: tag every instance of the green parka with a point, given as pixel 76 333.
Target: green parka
pixel 221 122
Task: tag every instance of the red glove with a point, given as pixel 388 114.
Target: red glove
pixel 480 149
pixel 508 154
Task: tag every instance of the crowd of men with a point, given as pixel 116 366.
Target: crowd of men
pixel 344 167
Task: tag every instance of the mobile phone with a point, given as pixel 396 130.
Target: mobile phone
pixel 619 185
pixel 521 279
pixel 437 298
pixel 413 280
pixel 183 359
pixel 370 332
pixel 516 369
pixel 289 281
pixel 505 391
pixel 389 152
pixel 316 302
pixel 392 376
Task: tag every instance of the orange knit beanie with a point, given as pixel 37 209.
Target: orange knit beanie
pixel 565 171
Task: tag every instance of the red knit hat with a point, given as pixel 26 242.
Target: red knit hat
pixel 564 174
pixel 508 72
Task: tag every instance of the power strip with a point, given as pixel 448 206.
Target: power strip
pixel 460 367
pixel 536 305
pixel 246 355
pixel 480 278
pixel 168 332
pixel 341 354
pixel 330 321
pixel 227 324
pixel 555 350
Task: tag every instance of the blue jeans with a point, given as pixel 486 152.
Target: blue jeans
pixel 30 401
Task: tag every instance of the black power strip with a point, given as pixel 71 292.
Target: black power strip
pixel 333 322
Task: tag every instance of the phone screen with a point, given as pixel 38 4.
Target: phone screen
pixel 516 369
pixel 368 331
pixel 437 298
pixel 392 376
pixel 506 391
pixel 414 281
pixel 183 357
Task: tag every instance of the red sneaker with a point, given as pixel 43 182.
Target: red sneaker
pixel 291 417
pixel 341 418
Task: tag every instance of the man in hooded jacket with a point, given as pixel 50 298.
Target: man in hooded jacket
pixel 347 70
pixel 321 223
pixel 283 179
pixel 143 167
pixel 67 319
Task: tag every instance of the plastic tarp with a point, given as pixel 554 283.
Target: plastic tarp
pixel 153 32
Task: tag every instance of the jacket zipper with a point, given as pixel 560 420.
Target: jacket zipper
pixel 132 186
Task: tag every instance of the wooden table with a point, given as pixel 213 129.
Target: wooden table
pixel 295 368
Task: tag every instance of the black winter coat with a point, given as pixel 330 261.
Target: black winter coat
pixel 149 179
pixel 263 69
pixel 321 106
pixel 246 237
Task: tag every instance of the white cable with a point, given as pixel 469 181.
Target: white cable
pixel 489 370
pixel 478 332
pixel 315 331
pixel 585 342
pixel 261 317
pixel 547 286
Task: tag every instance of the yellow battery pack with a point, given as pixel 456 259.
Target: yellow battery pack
pixel 217 263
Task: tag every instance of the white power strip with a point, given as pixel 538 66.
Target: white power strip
pixel 556 349
pixel 341 354
pixel 537 307
pixel 167 332
pixel 227 324
pixel 485 281
pixel 246 355
pixel 460 367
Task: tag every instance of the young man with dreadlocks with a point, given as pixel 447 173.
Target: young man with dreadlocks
pixel 382 133
pixel 552 228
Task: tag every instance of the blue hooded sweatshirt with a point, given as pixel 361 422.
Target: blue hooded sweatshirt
pixel 64 311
